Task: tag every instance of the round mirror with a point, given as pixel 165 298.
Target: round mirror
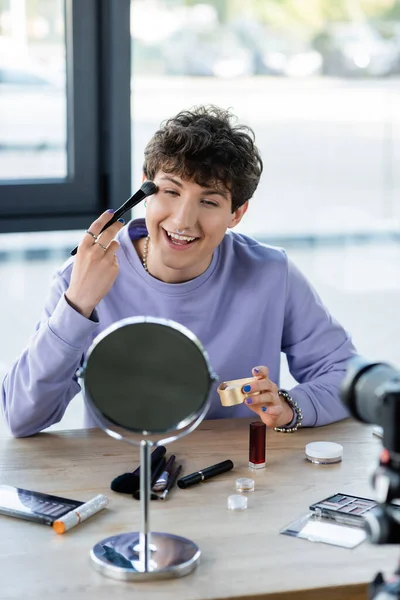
pixel 147 376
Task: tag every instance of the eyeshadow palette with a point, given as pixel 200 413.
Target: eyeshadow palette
pixel 34 506
pixel 345 509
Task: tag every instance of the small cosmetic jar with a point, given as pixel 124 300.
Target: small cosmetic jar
pixel 257 441
pixel 324 453
pixel 230 392
pixel 237 502
pixel 244 484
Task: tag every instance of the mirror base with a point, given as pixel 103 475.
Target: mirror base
pixel 171 556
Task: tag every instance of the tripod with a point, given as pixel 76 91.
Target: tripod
pixel 379 589
pixel 383 523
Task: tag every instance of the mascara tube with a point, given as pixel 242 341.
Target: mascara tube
pixel 204 474
pixel 77 515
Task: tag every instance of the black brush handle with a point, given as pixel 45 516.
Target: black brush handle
pixel 148 188
pixel 128 483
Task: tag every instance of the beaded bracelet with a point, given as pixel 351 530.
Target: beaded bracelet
pixel 297 411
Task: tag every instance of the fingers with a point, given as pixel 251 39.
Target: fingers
pixel 262 391
pixel 262 397
pixel 271 415
pixel 111 250
pixel 95 228
pixel 273 411
pixel 261 372
pixel 109 234
pixel 105 238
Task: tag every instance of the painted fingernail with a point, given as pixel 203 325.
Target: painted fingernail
pixel 121 220
pixel 111 211
pixel 249 401
pixel 256 370
pixel 247 388
pixel 264 409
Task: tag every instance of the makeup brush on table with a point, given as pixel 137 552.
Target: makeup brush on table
pixel 171 482
pixel 129 483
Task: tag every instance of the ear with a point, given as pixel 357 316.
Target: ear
pixel 238 215
pixel 143 177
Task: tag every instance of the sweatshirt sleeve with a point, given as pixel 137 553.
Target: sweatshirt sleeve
pixel 317 349
pixel 38 388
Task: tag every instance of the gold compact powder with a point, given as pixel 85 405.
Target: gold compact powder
pixel 230 392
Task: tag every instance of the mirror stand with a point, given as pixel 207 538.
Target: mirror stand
pixel 145 554
pixel 133 352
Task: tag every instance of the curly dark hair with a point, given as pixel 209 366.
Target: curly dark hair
pixel 206 145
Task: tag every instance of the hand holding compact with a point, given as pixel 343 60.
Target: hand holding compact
pixel 261 396
pixel 96 265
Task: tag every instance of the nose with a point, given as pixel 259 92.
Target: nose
pixel 185 215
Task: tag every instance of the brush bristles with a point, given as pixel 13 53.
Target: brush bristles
pixel 149 188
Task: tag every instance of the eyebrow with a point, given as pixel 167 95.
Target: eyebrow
pixel 208 191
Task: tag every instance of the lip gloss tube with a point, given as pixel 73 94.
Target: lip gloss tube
pixel 77 515
pixel 257 441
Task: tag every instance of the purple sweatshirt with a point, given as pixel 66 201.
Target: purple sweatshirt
pixel 250 305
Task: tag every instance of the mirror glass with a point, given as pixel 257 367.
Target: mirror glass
pixel 147 375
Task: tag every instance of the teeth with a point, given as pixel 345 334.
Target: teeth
pixel 183 238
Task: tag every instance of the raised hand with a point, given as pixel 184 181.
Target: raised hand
pixel 262 397
pixel 96 265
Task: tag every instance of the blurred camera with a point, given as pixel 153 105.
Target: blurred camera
pixel 371 392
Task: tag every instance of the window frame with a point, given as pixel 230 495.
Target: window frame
pixel 98 127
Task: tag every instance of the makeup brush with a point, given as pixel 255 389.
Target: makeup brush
pixel 147 189
pixel 155 474
pixel 162 481
pixel 171 482
pixel 128 483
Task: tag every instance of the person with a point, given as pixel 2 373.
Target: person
pixel 245 301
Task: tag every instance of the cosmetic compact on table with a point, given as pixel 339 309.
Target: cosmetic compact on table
pixel 243 554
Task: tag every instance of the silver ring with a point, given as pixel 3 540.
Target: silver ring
pixel 92 234
pixel 101 246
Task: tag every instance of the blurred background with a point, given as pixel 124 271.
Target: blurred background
pixel 83 86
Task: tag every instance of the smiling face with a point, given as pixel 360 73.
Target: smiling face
pixel 186 222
